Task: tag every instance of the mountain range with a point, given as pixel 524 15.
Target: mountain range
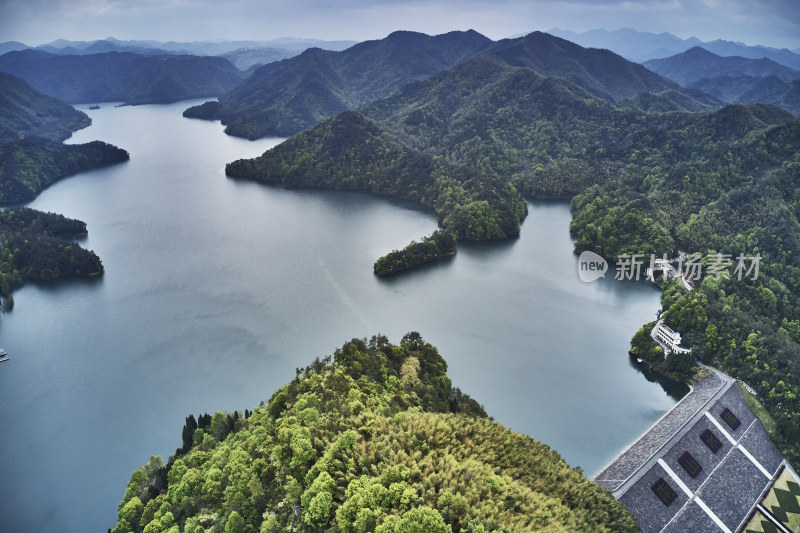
pixel 288 96
pixel 200 48
pixel 641 46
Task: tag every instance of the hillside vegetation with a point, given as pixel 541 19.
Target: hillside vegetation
pixel 376 440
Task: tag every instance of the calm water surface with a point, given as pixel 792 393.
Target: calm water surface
pixel 215 290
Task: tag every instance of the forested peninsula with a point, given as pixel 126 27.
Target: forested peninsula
pixel 36 245
pixel 374 438
pixel 352 152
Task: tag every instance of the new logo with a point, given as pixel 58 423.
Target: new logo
pixel 591 266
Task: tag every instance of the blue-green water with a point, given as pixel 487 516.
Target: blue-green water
pixel 215 290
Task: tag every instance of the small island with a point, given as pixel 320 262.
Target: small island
pixel 437 246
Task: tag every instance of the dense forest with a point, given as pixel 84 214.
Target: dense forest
pixel 122 76
pixel 725 199
pixel 375 438
pixel 37 246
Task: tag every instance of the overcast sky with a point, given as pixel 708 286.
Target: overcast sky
pixel 767 22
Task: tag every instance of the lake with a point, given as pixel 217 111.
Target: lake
pixel 215 290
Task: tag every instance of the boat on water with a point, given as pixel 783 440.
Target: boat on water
pixel 3 355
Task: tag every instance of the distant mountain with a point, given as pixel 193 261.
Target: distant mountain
pixel 294 94
pixel 697 63
pixel 202 48
pixel 125 77
pixel 642 46
pixel 634 45
pixel 301 44
pixel 247 58
pixel 12 46
pixel 779 55
pixel 25 112
pixel 733 79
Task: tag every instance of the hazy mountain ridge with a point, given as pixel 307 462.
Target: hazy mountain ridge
pixel 641 46
pixel 249 57
pixel 202 48
pixel 698 63
pixel 122 76
pixel 733 79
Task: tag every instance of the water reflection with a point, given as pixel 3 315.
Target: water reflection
pixel 674 389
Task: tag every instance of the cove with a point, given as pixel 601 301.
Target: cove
pixel 216 289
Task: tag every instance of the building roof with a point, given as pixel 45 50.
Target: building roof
pixel 702 467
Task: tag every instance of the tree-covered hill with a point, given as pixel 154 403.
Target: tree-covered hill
pixel 24 111
pixel 376 440
pixel 601 72
pixel 122 76
pixel 288 96
pixel 352 152
pixel 545 135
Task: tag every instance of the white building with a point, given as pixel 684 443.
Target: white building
pixel 671 340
